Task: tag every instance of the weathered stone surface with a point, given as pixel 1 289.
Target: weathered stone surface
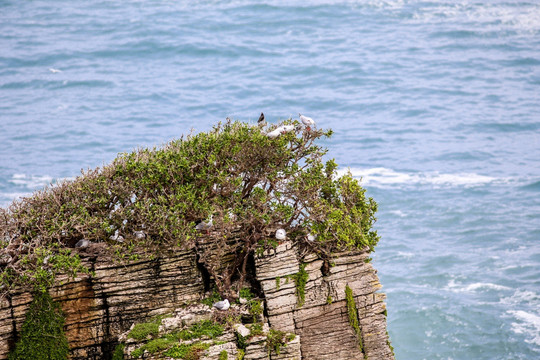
pixel 99 309
pixel 322 322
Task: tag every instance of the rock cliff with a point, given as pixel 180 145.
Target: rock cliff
pixel 100 308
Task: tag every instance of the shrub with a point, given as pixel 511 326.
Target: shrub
pixel 249 183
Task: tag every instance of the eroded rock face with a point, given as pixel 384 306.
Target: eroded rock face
pixel 100 308
pixel 322 322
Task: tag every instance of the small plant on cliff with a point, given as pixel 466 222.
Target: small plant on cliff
pixel 353 315
pixel 276 339
pixel 42 334
pixel 151 199
pixel 223 355
pixel 300 280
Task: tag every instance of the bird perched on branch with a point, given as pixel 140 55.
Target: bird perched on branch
pixel 307 121
pixel 261 121
pixel 281 234
pixel 205 225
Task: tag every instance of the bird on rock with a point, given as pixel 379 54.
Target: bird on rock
pixel 281 234
pixel 205 225
pixel 307 121
pixel 222 305
pixel 261 121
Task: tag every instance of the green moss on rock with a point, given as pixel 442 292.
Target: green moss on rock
pixel 42 334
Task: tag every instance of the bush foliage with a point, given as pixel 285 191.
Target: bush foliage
pixel 248 183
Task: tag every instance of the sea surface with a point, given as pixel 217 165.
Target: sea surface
pixel 435 106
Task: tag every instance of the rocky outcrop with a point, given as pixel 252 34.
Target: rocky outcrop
pixel 102 307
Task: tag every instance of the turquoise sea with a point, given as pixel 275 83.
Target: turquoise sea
pixel 435 106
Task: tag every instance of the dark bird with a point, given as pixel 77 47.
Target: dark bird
pixel 261 121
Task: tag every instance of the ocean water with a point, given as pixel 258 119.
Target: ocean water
pixel 435 106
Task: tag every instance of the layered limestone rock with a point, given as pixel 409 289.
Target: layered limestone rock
pixel 102 307
pixel 322 322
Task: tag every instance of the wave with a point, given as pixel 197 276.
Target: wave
pixel 535 186
pixel 527 324
pixel 474 287
pixel 31 181
pixel 384 177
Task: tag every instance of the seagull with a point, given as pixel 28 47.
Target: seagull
pixel 261 121
pixel 117 237
pixel 139 234
pixel 307 121
pixel 287 128
pixel 283 129
pixel 275 133
pixel 82 243
pixel 222 305
pixel 205 225
pixel 281 234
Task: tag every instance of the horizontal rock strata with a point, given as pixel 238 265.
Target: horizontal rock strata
pixel 102 307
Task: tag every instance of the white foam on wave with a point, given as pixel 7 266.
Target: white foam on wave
pixel 384 177
pixel 521 297
pixel 495 16
pixel 527 324
pixel 474 287
pixel 31 181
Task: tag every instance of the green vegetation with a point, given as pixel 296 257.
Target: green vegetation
pixel 277 339
pixel 329 300
pixel 143 330
pixel 223 355
pixel 250 184
pixel 187 352
pixel 256 329
pixel 241 354
pixel 300 279
pixel 42 334
pixel 203 328
pixel 213 298
pixel 119 352
pixel 246 293
pixel 278 282
pixel 170 342
pixel 353 315
pixel 255 308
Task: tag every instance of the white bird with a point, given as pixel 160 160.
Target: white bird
pixel 287 128
pixel 139 234
pixel 117 237
pixel 205 225
pixel 222 305
pixel 275 133
pixel 82 243
pixel 306 121
pixel 281 234
pixel 311 237
pixel 54 71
